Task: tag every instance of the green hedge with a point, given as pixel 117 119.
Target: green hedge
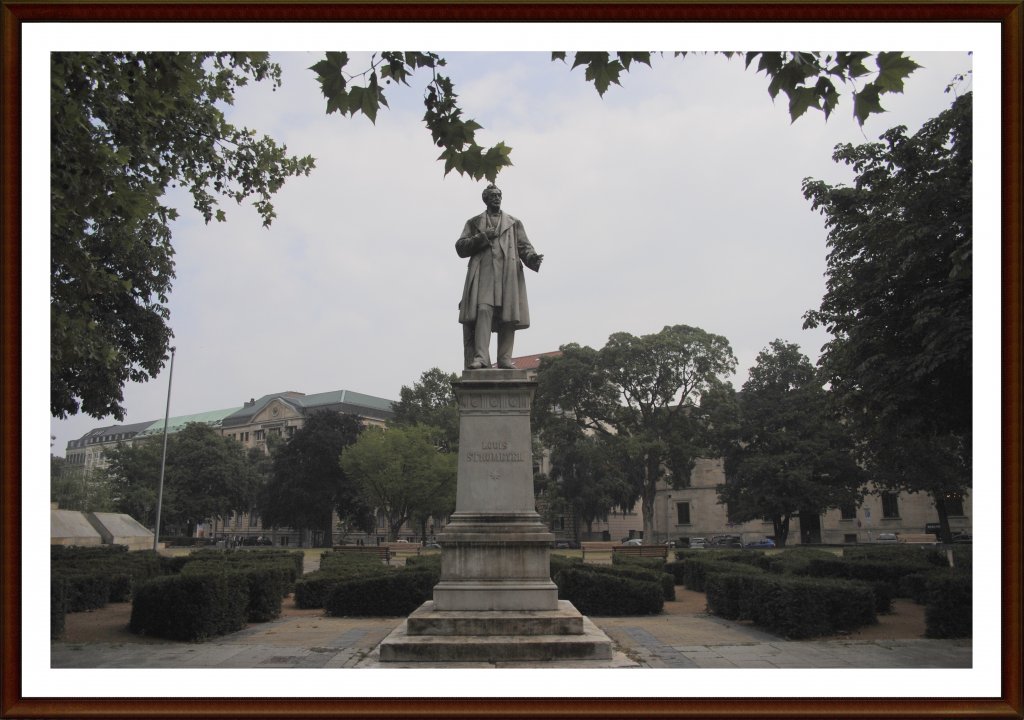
pixel 191 607
pixel 391 594
pixel 793 607
pixel 330 560
pixel 794 561
pixel 697 570
pixel 651 563
pixel 58 607
pixel 948 611
pixel 595 592
pixel 666 581
pixel 904 554
pixel 94 576
pixel 314 588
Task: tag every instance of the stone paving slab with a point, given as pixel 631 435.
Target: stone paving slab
pixel 662 641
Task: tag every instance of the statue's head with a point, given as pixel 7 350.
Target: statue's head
pixel 492 196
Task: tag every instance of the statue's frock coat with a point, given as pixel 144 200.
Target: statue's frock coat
pixel 516 247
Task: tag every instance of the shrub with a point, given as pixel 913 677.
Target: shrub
pixel 948 611
pixel 924 555
pixel 58 606
pixel 98 575
pixel 382 595
pixel 666 581
pixel 607 593
pixel 793 607
pixel 84 590
pixel 330 560
pixel 675 569
pixel 651 563
pixel 696 570
pixel 794 561
pixel 190 606
pixel 314 588
pixel 268 577
pixel 560 562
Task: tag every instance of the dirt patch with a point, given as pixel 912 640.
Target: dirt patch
pixel 904 622
pixel 110 624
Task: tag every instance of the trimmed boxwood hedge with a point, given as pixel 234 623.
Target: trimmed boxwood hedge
pixel 313 589
pixel 391 594
pixel 608 592
pixel 949 606
pixel 192 606
pixel 94 576
pixel 637 572
pixel 651 563
pixel 791 606
pixel 58 607
pixel 696 570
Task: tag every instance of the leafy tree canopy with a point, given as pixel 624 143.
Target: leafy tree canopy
pixel 206 475
pixel 431 401
pixel 807 79
pixel 126 127
pixel 786 453
pixel 307 482
pixel 899 301
pixel 402 473
pixel 640 398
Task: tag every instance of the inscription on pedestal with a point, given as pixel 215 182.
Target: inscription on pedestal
pixel 495 451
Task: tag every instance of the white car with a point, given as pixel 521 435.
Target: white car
pixel 887 538
pixel 634 542
pixel 698 542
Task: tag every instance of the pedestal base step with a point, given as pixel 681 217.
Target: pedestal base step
pixel 495 637
pixel 566 620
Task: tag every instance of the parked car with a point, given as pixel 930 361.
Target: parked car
pixel 669 543
pixel 633 542
pixel 432 546
pixel 565 544
pixel 963 537
pixel 698 542
pixel 725 541
pixel 887 538
pixel 762 543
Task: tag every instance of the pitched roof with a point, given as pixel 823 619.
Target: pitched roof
pixel 532 362
pixel 174 424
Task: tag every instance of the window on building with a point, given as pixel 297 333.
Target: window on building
pixel 954 504
pixel 683 513
pixel 238 520
pixel 260 435
pixel 890 505
pixel 254 519
pixel 848 512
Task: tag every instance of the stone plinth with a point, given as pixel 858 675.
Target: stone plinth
pixel 496 601
pixel 495 547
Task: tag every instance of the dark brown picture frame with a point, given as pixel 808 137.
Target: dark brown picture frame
pixel 16 15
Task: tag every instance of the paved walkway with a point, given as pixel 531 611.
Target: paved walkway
pixel 662 641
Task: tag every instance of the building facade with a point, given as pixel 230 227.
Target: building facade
pixel 694 511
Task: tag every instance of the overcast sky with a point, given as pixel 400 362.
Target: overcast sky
pixel 674 199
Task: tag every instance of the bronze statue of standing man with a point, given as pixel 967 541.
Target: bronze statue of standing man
pixel 494 297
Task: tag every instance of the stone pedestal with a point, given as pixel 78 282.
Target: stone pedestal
pixel 496 600
pixel 495 547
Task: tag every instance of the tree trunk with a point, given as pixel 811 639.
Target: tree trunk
pixel 945 534
pixel 647 500
pixel 781 525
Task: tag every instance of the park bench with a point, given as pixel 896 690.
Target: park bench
pixel 918 538
pixel 597 546
pixel 381 551
pixel 660 551
pixel 404 549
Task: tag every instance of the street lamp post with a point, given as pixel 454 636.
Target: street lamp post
pixel 163 459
